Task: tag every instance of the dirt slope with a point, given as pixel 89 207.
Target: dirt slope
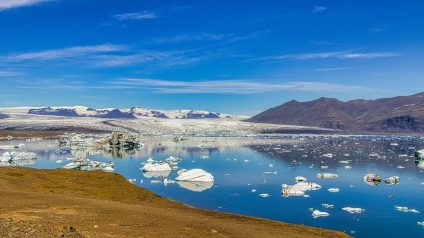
pixel 65 203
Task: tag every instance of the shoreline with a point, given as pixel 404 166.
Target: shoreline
pixel 100 204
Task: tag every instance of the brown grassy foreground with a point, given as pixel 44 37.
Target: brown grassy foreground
pixel 68 203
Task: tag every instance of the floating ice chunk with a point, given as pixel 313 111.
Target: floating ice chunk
pixel 317 214
pixel 132 180
pixel 108 169
pixel 59 161
pixel 173 160
pixel 406 209
pixel 327 175
pixel 334 190
pixel 194 175
pixel 12 147
pixel 300 179
pixel 264 195
pixel 253 190
pixel 298 189
pixel 86 164
pixel 17 156
pixel 392 180
pixel 150 160
pixel 353 209
pixel 419 154
pixel 348 167
pixel 421 223
pixel 400 167
pixel 372 179
pixel 325 205
pixel 324 167
pixel 329 155
pixel 155 167
pixel 344 161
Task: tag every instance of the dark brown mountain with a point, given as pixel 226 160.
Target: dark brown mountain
pixel 398 114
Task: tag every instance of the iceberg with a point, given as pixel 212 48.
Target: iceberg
pixel 194 175
pixel 392 180
pixel 17 156
pixel 327 175
pixel 156 167
pixel 298 189
pixel 419 154
pixel 406 209
pixel 157 174
pixel 300 179
pixel 317 213
pixel 86 164
pixel 372 179
pixel 353 209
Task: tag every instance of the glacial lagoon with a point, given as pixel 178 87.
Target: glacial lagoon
pixel 249 172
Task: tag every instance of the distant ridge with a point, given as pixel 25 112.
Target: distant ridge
pixel 397 114
pixel 135 112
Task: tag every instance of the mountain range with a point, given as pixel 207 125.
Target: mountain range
pixel 397 114
pixel 135 112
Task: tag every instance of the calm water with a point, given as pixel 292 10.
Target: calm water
pixel 240 165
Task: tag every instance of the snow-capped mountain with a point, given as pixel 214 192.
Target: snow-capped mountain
pixel 135 112
pixel 80 111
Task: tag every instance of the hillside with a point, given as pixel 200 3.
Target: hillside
pixel 70 203
pixel 398 114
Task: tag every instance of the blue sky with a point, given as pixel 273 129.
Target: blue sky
pixel 226 56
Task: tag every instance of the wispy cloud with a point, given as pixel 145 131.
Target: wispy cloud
pixel 328 69
pixel 10 73
pixel 242 86
pixel 9 4
pixel 144 15
pixel 71 52
pixel 320 8
pixel 194 37
pixel 327 55
pixel 105 56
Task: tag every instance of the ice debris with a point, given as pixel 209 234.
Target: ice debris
pixel 372 179
pixel 353 209
pixel 298 189
pixel 327 175
pixel 317 213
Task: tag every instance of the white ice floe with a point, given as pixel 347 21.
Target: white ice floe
pixel 173 160
pixel 298 189
pixel 372 179
pixel 156 167
pixel 325 205
pixel 12 147
pixel 421 223
pixel 329 155
pixel 86 164
pixel 406 209
pixel 327 175
pixel 194 175
pixel 316 214
pixel 392 180
pixel 10 157
pixel 353 209
pixel 334 190
pixel 264 195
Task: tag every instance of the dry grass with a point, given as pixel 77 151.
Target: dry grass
pixel 39 203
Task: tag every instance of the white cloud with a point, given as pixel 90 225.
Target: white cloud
pixel 326 55
pixel 145 15
pixel 63 53
pixel 242 86
pixel 320 8
pixel 9 4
